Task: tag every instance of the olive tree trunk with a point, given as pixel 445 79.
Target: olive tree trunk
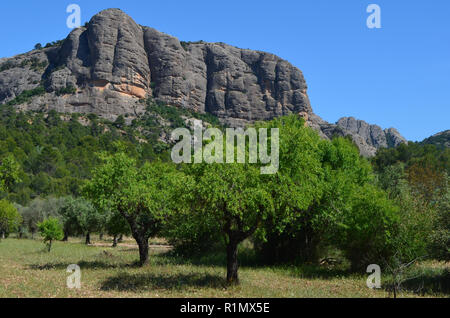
pixel 115 241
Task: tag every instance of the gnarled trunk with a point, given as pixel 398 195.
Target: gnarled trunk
pixel 232 263
pixel 143 251
pixel 115 241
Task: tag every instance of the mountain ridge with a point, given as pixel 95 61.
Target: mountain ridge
pixel 107 66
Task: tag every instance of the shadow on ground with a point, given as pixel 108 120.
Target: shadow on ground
pixel 83 265
pixel 429 283
pixel 138 282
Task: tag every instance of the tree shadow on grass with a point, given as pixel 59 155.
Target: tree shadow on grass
pixel 248 259
pixel 83 265
pixel 429 283
pixel 141 282
pixel 319 272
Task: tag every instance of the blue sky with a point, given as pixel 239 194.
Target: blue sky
pixel 397 76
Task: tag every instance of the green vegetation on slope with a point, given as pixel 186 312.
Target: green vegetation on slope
pixel 325 205
pixel 57 152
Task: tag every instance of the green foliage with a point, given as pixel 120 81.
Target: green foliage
pixel 50 230
pixel 141 194
pixel 440 140
pixel 57 152
pixel 175 114
pixel 233 199
pixel 69 90
pixel 366 231
pixel 120 122
pixel 70 215
pixel 80 217
pixel 10 172
pixel 325 197
pixel 185 45
pixel 10 218
pixel 440 237
pixel 54 44
pixel 89 219
pixel 7 66
pixel 416 178
pixel 34 63
pixel 39 210
pixel 117 225
pixel 26 96
pixel 413 153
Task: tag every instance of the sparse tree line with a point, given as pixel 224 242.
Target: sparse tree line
pixel 325 196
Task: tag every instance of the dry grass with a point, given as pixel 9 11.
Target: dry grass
pixel 27 270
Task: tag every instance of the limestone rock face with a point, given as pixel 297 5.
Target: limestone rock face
pixel 441 139
pixel 113 62
pixel 368 138
pixel 109 65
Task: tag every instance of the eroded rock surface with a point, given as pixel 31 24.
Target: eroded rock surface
pixel 109 65
pixel 113 62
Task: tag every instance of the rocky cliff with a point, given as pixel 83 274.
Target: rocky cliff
pixel 441 139
pixel 110 64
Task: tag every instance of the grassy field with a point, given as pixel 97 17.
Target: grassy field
pixel 27 270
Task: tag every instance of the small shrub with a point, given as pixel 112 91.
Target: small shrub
pixel 69 90
pixel 26 96
pixel 50 231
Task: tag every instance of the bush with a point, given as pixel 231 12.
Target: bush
pixel 69 90
pixel 366 230
pixel 26 96
pixel 190 237
pixel 440 238
pixel 10 218
pixel 50 231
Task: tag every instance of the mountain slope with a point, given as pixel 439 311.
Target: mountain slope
pixel 441 139
pixel 108 66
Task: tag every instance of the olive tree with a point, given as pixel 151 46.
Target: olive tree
pixel 39 210
pixel 79 216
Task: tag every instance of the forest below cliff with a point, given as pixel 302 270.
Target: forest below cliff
pixel 327 204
